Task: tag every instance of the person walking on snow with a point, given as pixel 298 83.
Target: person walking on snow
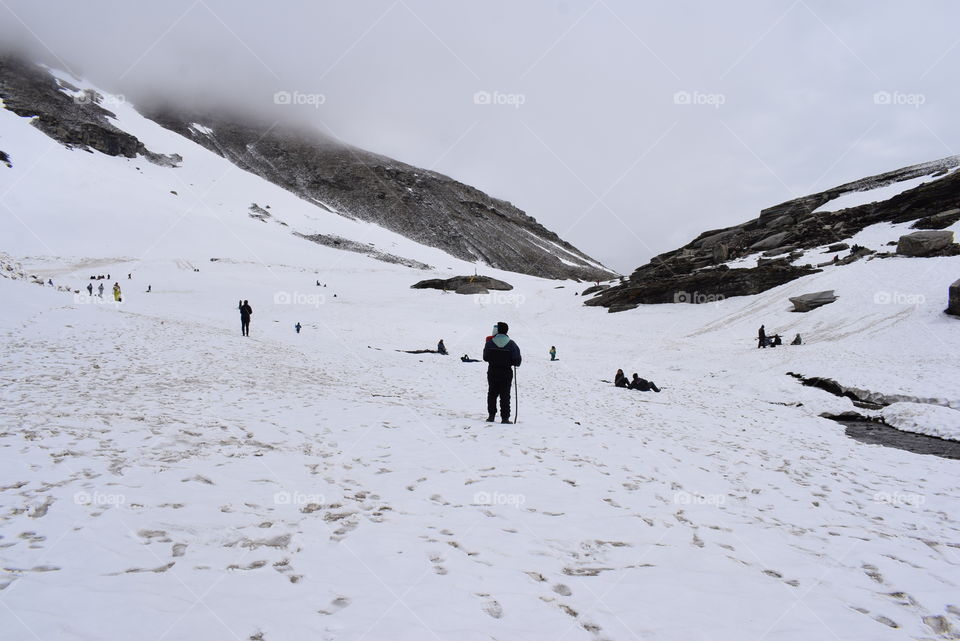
pixel 297 327
pixel 762 338
pixel 553 353
pixel 501 354
pixel 116 292
pixel 90 289
pixel 245 313
pixel 100 289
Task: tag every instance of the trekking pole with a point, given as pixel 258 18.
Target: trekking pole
pixel 516 396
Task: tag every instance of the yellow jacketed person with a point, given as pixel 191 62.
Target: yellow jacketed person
pixel 116 292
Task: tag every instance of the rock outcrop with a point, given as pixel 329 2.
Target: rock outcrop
pixel 464 284
pixel 925 243
pixel 69 115
pixel 953 303
pixel 806 302
pixel 781 233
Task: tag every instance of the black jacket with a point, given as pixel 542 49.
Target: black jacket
pixel 245 311
pixel 501 359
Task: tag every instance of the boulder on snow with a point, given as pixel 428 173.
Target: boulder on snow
pixel 924 243
pixel 953 306
pixel 463 284
pixel 593 289
pixel 806 302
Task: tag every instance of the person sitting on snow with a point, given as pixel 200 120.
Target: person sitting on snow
pixel 467 359
pixel 642 384
pixel 620 380
pixel 441 348
pixel 797 340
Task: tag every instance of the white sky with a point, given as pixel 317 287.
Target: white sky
pixel 782 93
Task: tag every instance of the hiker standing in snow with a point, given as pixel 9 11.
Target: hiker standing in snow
pixel 116 292
pixel 502 354
pixel 100 289
pixel 553 353
pixel 90 289
pixel 245 313
pixel 297 327
pixel 762 337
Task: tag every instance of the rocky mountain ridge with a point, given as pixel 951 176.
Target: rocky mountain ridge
pixel 780 234
pixel 425 206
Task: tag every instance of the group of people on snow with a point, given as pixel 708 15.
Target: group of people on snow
pixel 764 341
pixel 637 383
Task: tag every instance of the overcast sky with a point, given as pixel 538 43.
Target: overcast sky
pixel 627 127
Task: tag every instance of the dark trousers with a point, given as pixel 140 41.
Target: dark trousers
pixel 245 325
pixel 499 386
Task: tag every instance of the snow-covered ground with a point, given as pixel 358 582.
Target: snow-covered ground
pixel 164 478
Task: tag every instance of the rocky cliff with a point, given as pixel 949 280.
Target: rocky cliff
pixel 779 235
pixel 426 206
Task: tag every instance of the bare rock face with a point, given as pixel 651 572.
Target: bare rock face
pixel 427 207
pixel 75 119
pixel 708 285
pixel 781 232
pixel 464 284
pixel 806 302
pixel 924 243
pixel 953 306
pixel 938 221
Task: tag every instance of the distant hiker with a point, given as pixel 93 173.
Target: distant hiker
pixel 502 354
pixel 108 276
pixel 318 283
pixel 149 288
pixel 90 289
pixel 129 276
pixel 620 380
pixel 297 327
pixel 441 348
pixel 116 292
pixel 762 337
pixel 50 282
pixel 100 289
pixel 553 353
pixel 467 359
pixel 797 340
pixel 245 313
pixel 642 384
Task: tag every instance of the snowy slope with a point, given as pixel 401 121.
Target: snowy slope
pixel 162 473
